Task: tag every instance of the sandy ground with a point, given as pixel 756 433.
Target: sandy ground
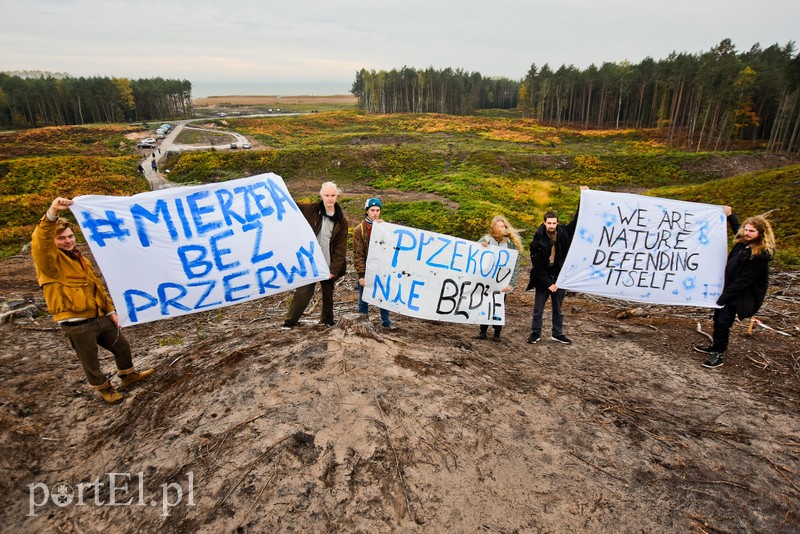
pixel 426 429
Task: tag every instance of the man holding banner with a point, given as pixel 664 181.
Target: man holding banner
pixel 329 224
pixel 80 303
pixel 746 281
pixel 361 238
pixel 548 251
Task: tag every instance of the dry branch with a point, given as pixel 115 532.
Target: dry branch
pixel 615 477
pixel 699 329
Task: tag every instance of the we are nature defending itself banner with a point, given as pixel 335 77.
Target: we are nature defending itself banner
pixel 177 251
pixel 436 276
pixel 647 249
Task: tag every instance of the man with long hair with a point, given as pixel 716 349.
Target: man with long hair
pixel 746 281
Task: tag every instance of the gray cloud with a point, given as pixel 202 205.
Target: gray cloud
pixel 323 40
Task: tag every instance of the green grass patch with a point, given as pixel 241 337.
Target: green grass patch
pixel 453 174
pixel 773 192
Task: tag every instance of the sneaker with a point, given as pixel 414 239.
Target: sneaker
pixel 705 350
pixel 286 325
pixel 714 361
pixel 534 338
pixel 329 325
pixel 481 335
pixel 496 338
pixel 390 326
pixel 561 338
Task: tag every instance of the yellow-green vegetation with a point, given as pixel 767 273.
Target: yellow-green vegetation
pixel 457 172
pixel 170 340
pixel 38 165
pixel 451 174
pixel 191 136
pixel 774 192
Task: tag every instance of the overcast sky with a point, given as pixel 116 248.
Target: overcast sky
pixel 314 40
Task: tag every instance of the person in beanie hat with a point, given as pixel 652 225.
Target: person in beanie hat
pixel 361 238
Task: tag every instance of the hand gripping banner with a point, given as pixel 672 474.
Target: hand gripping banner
pixel 647 249
pixel 184 250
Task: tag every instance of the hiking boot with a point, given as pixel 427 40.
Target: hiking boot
pixel 286 325
pixel 534 338
pixel 561 338
pixel 496 338
pixel 132 377
pixel 329 325
pixel 714 361
pixel 390 326
pixel 709 349
pixel 109 394
pixel 481 335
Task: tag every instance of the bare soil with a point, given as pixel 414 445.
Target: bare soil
pixel 425 429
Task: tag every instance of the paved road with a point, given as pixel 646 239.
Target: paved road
pixel 157 179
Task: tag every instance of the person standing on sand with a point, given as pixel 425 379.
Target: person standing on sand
pixel 329 224
pixel 548 251
pixel 80 303
pixel 746 281
pixel 501 234
pixel 361 237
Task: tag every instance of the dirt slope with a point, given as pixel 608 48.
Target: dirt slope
pixel 352 429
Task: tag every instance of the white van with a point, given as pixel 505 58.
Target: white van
pixel 160 133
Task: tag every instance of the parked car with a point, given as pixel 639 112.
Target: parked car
pixel 234 145
pixel 246 145
pixel 149 140
pixel 160 134
pixel 145 145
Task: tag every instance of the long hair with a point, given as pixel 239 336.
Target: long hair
pixel 766 239
pixel 511 233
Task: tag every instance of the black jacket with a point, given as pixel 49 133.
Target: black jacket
pixel 746 277
pixel 542 275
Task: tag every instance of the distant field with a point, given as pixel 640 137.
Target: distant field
pixel 267 100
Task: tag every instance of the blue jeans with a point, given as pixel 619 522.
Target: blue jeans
pixel 539 300
pixel 363 307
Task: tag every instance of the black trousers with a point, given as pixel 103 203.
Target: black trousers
pixel 723 321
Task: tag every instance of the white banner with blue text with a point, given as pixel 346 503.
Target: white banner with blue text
pixel 435 276
pixel 647 249
pixel 184 250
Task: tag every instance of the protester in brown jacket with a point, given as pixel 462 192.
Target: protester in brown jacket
pixel 329 224
pixel 361 238
pixel 80 303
